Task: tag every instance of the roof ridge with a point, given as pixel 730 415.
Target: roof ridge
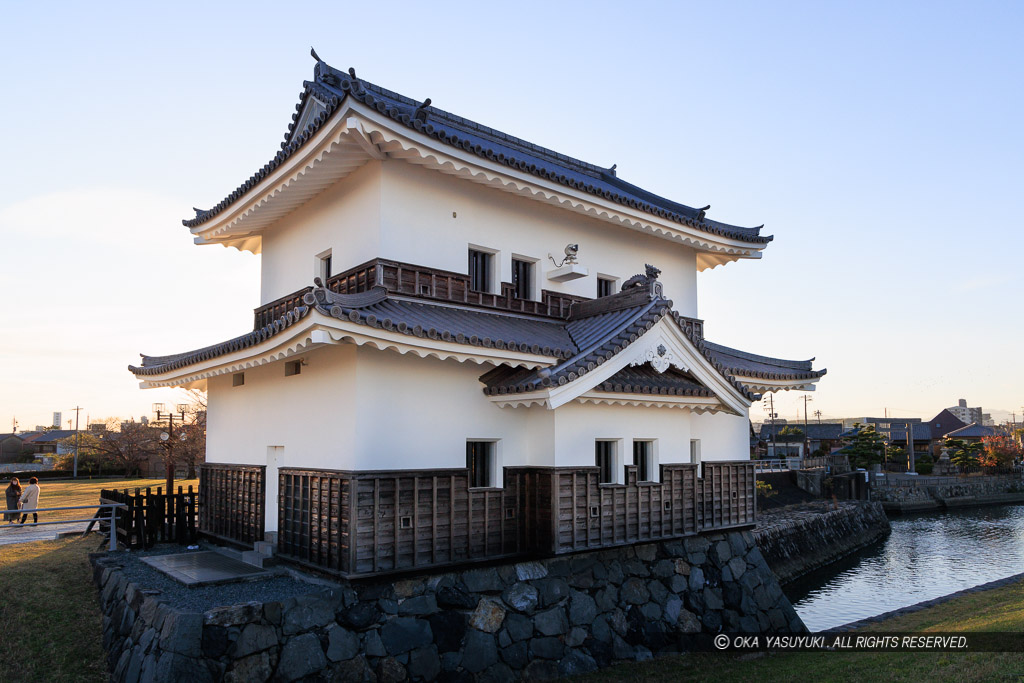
pixel 333 86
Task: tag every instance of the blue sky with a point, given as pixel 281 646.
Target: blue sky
pixel 879 142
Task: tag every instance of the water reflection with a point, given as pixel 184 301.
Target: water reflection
pixel 927 556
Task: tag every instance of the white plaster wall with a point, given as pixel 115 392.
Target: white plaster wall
pixel 395 210
pixel 416 413
pixel 578 425
pixel 722 436
pixel 311 415
pixel 417 227
pixel 344 218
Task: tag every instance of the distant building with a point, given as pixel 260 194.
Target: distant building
pixel 968 415
pixel 972 432
pixel 11 448
pixel 48 441
pixel 823 437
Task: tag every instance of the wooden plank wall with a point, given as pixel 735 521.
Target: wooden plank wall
pixel 231 501
pixel 365 523
pixel 373 522
pixel 726 495
pixel 594 515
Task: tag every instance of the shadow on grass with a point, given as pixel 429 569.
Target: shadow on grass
pixel 50 621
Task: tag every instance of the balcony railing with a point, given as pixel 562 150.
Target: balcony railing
pixel 434 284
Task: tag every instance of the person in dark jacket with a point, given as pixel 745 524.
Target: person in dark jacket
pixel 13 493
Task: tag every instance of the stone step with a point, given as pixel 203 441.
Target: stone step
pixel 254 558
pixel 264 548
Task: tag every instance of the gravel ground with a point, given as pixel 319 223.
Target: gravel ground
pixel 202 598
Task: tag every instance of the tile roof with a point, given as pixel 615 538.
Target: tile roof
pixel 332 87
pixel 746 364
pixel 971 431
pixel 53 435
pixel 828 430
pixel 596 331
pixel 643 379
pixel 155 365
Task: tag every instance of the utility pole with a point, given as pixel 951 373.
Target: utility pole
pixel 817 414
pixel 78 441
pixel 807 434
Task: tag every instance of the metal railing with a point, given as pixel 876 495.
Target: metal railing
pixel 776 464
pixel 23 513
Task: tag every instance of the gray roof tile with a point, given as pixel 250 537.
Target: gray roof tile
pixel 332 87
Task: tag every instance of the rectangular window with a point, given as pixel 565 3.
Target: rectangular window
pixel 238 379
pixel 643 458
pixel 480 265
pixel 522 279
pixel 695 454
pixel 480 462
pixel 604 458
pixel 605 287
pixel 292 367
pixel 323 265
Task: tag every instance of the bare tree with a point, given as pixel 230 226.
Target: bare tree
pixel 192 450
pixel 129 444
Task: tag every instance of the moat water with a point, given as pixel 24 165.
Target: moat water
pixel 927 556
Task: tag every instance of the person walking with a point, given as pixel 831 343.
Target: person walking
pixel 30 500
pixel 13 493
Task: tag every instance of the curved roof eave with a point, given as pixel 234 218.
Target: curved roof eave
pixel 332 87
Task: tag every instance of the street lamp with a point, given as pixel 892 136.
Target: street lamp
pixel 167 437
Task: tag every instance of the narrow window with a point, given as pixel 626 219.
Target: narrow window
pixel 695 454
pixel 643 458
pixel 323 265
pixel 293 367
pixel 238 379
pixel 480 462
pixel 604 458
pixel 605 287
pixel 522 279
pixel 480 270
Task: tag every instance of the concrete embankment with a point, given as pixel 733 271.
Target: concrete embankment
pixel 796 541
pixel 921 496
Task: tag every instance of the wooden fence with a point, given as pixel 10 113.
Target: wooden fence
pixel 358 523
pixel 149 518
pixel 232 501
pixel 364 523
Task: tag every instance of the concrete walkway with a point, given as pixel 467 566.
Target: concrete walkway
pixel 11 533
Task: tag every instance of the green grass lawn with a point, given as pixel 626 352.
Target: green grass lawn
pixel 55 494
pixel 50 622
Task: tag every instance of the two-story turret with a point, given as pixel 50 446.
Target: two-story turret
pixel 463 351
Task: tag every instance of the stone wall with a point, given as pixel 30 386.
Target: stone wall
pixel 938 493
pixel 531 620
pixel 797 542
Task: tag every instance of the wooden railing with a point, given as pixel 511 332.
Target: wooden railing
pixel 268 313
pixel 366 523
pixel 231 501
pixel 445 285
pixel 437 285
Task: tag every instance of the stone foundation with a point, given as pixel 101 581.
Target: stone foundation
pixel 798 542
pixel 920 496
pixel 531 620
